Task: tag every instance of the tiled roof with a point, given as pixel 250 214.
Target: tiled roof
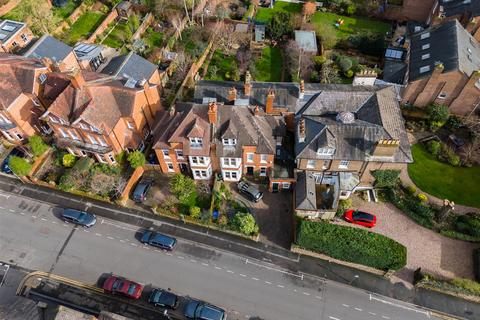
pixel 130 66
pixel 49 47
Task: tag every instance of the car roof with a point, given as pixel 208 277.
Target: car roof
pixel 73 213
pixel 158 237
pixel 141 187
pixel 211 312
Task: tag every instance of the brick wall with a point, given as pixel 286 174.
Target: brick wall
pixel 136 175
pixel 8 6
pixel 73 17
pixel 103 26
pixel 147 21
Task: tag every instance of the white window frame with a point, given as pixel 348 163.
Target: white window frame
pixel 325 164
pixel 101 158
pixel 3 118
pixel 102 141
pixel 196 142
pixel 73 134
pixel 53 119
pixel 325 151
pixel 343 164
pixel 286 185
pixel 234 175
pixel 194 160
pixel 263 158
pixel 130 125
pixel 425 35
pixel 424 69
pixel 229 142
pixel 264 173
pixel 83 126
pixel 8 135
pixel 425 56
pixel 426 46
pixel 166 153
pixel 250 157
pixel 19 136
pixel 170 167
pixel 92 139
pixel 63 133
pixel 179 153
pixel 442 96
pixel 112 159
pixel 310 164
pixel 24 37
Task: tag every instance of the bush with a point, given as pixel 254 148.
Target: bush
pixel 223 220
pixel 345 63
pixel 68 160
pixel 411 206
pixel 434 147
pixel 411 189
pixel 422 197
pixel 319 60
pixel 343 205
pixel 468 225
pixel 348 73
pixel 468 285
pixel 386 178
pixel 20 166
pixel 245 223
pixel 351 244
pixel 37 145
pixel 438 113
pixel 184 189
pixel 372 43
pixel 136 159
pixel 195 212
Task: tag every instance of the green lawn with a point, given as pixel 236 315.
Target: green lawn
pixel 16 13
pixel 153 38
pixel 265 14
pixel 351 25
pixel 458 184
pixel 224 65
pixel 269 67
pixel 84 26
pixel 121 33
pixel 65 12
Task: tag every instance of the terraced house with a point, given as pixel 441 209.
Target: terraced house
pixel 99 115
pixel 14 36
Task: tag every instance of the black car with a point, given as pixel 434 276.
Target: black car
pixel 163 298
pixel 14 153
pixel 79 217
pixel 199 310
pixel 141 190
pixel 158 240
pixel 250 191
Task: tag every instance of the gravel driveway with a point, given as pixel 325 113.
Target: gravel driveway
pixel 434 253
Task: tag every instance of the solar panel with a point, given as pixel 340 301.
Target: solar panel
pixel 85 48
pixel 395 54
pixel 8 27
pixel 131 83
pixel 207 100
pixel 2 36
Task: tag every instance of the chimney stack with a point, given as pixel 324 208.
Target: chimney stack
pixel 256 111
pixel 301 130
pixel 77 79
pixel 302 89
pixel 212 112
pixel 269 104
pixel 232 94
pixel 248 84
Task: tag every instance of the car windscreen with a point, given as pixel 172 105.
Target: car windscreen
pixel 131 289
pixel 358 215
pixel 117 284
pixel 210 313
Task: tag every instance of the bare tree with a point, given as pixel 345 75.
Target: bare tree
pixel 244 56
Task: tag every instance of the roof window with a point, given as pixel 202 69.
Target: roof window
pixel 426 46
pixel 425 35
pixel 424 69
pixel 425 56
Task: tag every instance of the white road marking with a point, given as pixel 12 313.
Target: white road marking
pixel 256 279
pixel 385 317
pixel 230 271
pixel 11 210
pixel 345 305
pixel 268 282
pixel 122 241
pixel 193 260
pixel 85 230
pixel 400 306
pixel 169 254
pixel 111 238
pixel 134 244
pixel 318 297
pixel 117 226
pixel 358 309
pixel 54 222
pixel 218 268
pixel 273 269
pixel 43 219
pixel 242 275
pixel 180 257
pixel 204 264
pixel 22 213
pixel 65 225
pixel 306 293
pixel 98 234
pixel 156 250
pixel 280 286
pixel 34 217
pixel 333 318
pixel 373 313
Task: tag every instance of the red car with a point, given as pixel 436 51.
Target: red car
pixel 362 218
pixel 119 285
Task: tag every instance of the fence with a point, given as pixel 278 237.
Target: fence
pixel 136 175
pixel 147 21
pixel 8 6
pixel 103 26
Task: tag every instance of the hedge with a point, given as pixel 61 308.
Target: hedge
pixel 351 244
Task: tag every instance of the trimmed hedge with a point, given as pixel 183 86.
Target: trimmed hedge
pixel 351 244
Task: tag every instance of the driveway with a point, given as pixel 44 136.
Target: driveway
pixel 434 253
pixel 273 214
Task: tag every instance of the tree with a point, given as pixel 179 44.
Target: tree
pixel 244 56
pixel 308 9
pixel 438 112
pixel 386 178
pixel 184 189
pixel 279 25
pixel 37 145
pixel 221 11
pixel 136 159
pixel 245 223
pixel 372 43
pixel 20 166
pixel 195 212
pixel 38 15
pixel 328 73
pixel 344 63
pixel 327 35
pixel 68 160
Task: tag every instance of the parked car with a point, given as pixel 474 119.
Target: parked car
pixel 122 286
pixel 140 193
pixel 250 190
pixel 158 240
pixel 199 310
pixel 359 217
pixel 82 218
pixel 15 152
pixel 163 298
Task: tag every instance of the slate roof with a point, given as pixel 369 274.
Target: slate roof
pixel 130 66
pixel 17 76
pixel 377 116
pixel 286 93
pixel 305 198
pixel 455 7
pixel 450 44
pixel 8 28
pixel 49 47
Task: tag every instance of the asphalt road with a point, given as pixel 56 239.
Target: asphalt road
pixel 32 236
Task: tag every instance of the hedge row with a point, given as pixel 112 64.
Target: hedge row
pixel 351 244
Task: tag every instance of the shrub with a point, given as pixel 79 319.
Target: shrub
pixel 343 205
pixel 223 220
pixel 345 63
pixel 314 76
pixel 369 42
pixel 422 197
pixel 411 189
pixel 438 112
pixel 245 223
pixel 348 73
pixel 434 147
pixel 82 165
pixel 351 244
pixel 20 166
pixel 468 225
pixel 319 60
pixel 68 160
pixel 195 212
pixel 121 158
pixel 468 285
pixel 386 178
pixel 37 145
pixel 184 189
pixel 136 159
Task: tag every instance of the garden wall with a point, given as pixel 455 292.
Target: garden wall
pixel 136 175
pixel 103 26
pixel 39 162
pixel 9 6
pixel 147 21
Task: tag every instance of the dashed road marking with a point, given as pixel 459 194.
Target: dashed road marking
pixel 256 279
pixel 156 250
pixel 280 286
pixel 54 222
pixel 98 234
pixel 204 264
pixel 333 318
pixel 385 317
pixel 111 238
pixel 193 260
pixel 218 268
pixel 230 271
pixel 22 213
pixel 43 219
pixel 65 225
pixel 169 254
pixel 11 210
pixel 318 297
pixel 85 230
pixel 180 257
pixel 358 309
pixel 134 244
pixel 122 241
pixel 345 305
pixel 373 313
pixel 34 217
pixel 306 293
pixel 268 282
pixel 242 275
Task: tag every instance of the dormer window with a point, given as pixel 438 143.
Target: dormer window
pixel 229 142
pixel 196 142
pixel 325 151
pixel 42 77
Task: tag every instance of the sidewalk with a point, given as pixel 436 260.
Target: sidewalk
pixel 274 255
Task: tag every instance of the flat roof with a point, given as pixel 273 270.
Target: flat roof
pixel 8 28
pixel 306 40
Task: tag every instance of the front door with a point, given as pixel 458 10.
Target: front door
pixel 275 186
pixel 184 168
pixel 250 171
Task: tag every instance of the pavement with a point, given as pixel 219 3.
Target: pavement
pixel 32 236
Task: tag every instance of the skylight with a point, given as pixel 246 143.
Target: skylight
pixel 424 69
pixel 425 35
pixel 426 46
pixel 425 56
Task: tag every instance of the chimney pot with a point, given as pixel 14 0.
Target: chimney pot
pixel 212 112
pixel 232 94
pixel 77 80
pixel 248 84
pixel 301 130
pixel 256 111
pixel 269 103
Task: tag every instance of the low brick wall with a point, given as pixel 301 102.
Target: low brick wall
pixel 39 162
pixel 8 6
pixel 103 26
pixel 147 21
pixel 136 175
